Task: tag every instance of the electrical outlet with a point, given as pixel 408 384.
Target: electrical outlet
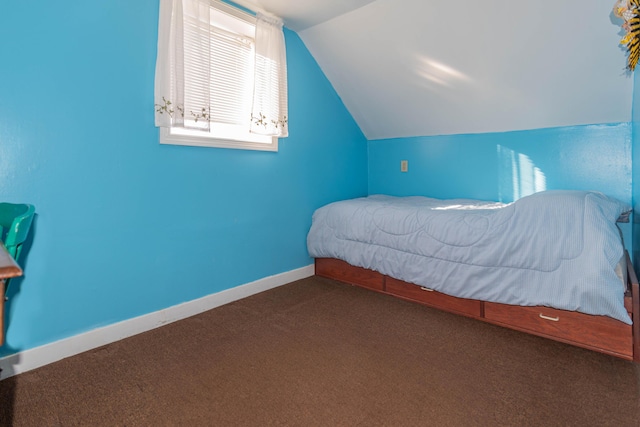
pixel 404 165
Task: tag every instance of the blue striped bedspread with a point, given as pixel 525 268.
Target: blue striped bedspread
pixel 554 248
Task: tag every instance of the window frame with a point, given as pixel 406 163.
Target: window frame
pixel 192 137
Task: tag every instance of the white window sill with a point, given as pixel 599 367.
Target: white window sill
pixel 170 138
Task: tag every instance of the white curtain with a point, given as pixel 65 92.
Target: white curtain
pixel 169 83
pixel 269 113
pixel 183 32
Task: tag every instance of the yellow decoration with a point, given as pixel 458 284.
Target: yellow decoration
pixel 629 12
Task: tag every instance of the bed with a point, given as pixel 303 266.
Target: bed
pixel 551 264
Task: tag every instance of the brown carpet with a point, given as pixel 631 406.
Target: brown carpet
pixel 320 353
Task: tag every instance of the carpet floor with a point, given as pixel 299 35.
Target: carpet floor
pixel 321 353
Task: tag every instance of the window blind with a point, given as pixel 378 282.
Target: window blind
pixel 218 64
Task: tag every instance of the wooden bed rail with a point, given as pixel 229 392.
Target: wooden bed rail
pixel 634 288
pixel 8 269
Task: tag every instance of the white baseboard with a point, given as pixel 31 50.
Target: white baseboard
pixel 27 360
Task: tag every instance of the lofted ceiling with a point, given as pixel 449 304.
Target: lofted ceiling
pixel 434 67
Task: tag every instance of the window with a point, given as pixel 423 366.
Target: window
pixel 216 85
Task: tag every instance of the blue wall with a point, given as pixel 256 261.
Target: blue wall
pixel 126 226
pixel 635 117
pixel 503 166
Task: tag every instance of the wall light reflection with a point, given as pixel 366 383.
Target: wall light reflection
pixel 518 176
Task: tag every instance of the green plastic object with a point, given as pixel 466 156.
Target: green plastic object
pixel 15 222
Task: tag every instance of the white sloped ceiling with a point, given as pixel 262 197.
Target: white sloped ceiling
pixel 435 67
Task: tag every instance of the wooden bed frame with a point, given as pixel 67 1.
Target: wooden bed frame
pixel 599 333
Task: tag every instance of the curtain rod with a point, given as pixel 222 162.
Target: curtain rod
pixel 253 7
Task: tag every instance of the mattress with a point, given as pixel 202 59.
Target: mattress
pixel 558 249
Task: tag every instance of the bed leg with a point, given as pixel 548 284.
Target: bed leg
pixel 635 306
pixel 635 296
